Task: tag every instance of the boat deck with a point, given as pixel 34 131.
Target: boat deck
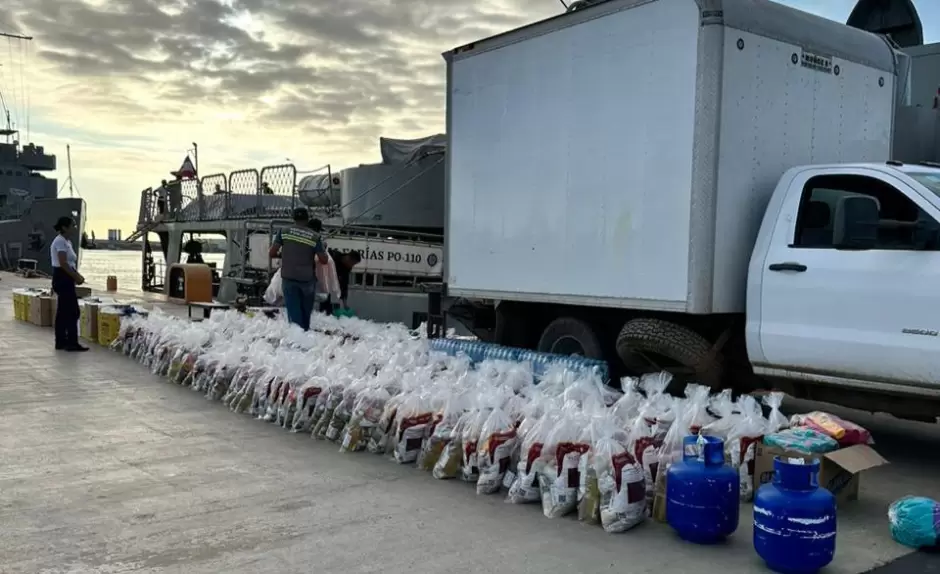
pixel 107 468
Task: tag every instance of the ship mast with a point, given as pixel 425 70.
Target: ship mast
pixel 68 156
pixel 9 131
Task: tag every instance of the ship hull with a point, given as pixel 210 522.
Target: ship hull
pixel 30 236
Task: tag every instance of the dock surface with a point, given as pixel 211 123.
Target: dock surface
pixel 108 468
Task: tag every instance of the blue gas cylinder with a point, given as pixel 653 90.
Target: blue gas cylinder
pixel 702 493
pixel 795 519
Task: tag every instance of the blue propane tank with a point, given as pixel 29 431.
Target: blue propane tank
pixel 795 519
pixel 702 493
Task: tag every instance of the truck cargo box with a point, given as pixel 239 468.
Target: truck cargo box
pixel 622 155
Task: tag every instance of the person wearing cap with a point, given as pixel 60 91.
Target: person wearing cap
pixel 299 247
pixel 65 277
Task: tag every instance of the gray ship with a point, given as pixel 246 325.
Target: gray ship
pixel 30 205
pixel 29 201
pixel 390 212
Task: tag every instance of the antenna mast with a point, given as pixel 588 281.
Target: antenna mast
pixel 9 131
pixel 15 36
pixel 68 157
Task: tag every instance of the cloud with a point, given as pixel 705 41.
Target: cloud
pixel 316 66
pixel 253 81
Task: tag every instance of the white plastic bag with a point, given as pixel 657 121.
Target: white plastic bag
pixel 621 483
pixel 275 292
pixel 497 443
pixel 559 478
pixel 742 442
pixel 327 279
pixel 776 420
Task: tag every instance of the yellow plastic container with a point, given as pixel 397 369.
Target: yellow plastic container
pixel 17 306
pixel 109 325
pixel 24 307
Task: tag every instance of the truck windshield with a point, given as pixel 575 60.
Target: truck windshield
pixel 928 179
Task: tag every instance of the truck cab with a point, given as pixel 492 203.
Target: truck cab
pixel 843 281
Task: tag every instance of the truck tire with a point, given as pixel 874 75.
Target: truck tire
pixel 653 345
pixel 570 336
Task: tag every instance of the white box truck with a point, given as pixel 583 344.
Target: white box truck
pixel 700 186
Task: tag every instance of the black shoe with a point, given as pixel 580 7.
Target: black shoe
pixel 76 348
pixel 59 347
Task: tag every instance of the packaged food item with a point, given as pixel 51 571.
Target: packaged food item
pixel 448 465
pixel 621 483
pixel 775 420
pixel 411 424
pixel 627 406
pixel 670 452
pixel 378 442
pixel 498 443
pixel 220 381
pixel 569 442
pixel 332 399
pixel 559 478
pixel 469 441
pixel 343 412
pixel 743 437
pixel 845 432
pixel 721 407
pixel 441 432
pixel 524 486
pixel 176 363
pixel 649 430
pixel 278 392
pixel 801 439
pixel 697 401
pixel 366 414
pixel 306 401
pixel 589 495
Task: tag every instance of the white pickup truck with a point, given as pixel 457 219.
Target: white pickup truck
pixel 673 182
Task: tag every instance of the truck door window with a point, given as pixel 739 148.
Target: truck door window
pixel 902 224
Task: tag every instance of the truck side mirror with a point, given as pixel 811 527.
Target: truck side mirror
pixel 855 225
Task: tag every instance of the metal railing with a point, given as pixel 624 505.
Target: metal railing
pixel 241 194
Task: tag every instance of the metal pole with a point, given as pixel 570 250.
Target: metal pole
pixel 199 199
pixel 68 157
pixel 15 36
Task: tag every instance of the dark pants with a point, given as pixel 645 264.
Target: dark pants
pixel 299 299
pixel 67 312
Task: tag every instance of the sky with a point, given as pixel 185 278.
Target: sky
pixel 130 84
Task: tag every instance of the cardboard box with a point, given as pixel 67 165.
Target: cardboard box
pixel 88 320
pixel 839 471
pixel 40 311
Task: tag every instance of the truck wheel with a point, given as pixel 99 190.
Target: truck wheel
pixel 653 345
pixel 570 336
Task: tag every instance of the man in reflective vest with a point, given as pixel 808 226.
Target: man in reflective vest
pixel 299 247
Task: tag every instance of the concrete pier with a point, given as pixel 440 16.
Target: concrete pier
pixel 107 468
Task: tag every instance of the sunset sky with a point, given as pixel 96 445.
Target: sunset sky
pixel 131 83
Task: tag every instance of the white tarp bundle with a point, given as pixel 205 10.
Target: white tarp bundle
pixel 406 151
